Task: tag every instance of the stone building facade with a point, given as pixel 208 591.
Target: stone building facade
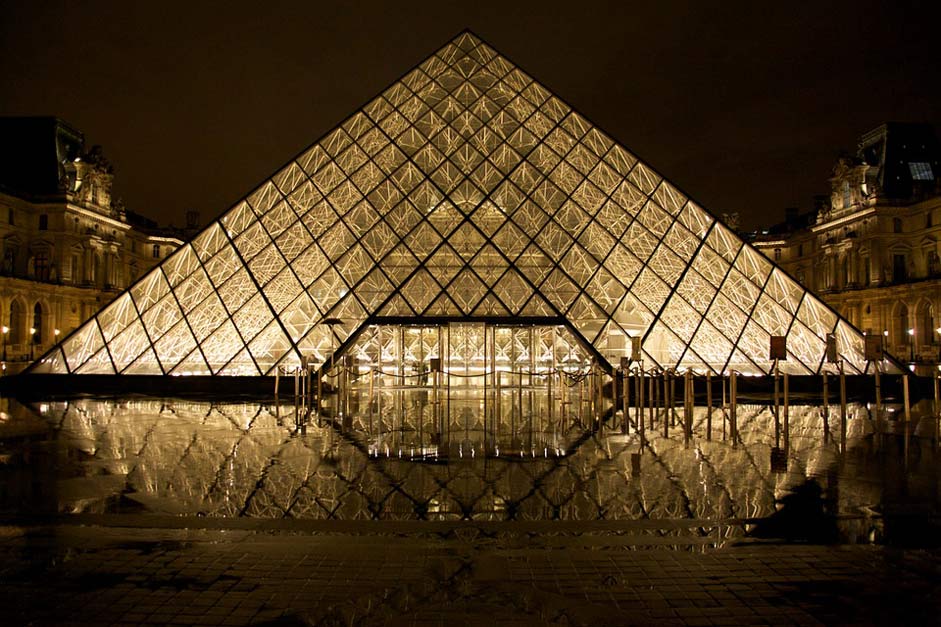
pixel 68 247
pixel 871 248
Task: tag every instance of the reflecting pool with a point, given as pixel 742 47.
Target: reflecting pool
pixel 268 460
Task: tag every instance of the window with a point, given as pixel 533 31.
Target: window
pixel 921 171
pixel 41 266
pixel 43 222
pixel 896 225
pixel 866 272
pixel 16 326
pixel 11 216
pixel 846 194
pixel 800 250
pixel 74 268
pixel 925 323
pixel 777 254
pixel 156 251
pixel 899 272
pixel 929 220
pixel 37 324
pixel 902 336
pixel 9 260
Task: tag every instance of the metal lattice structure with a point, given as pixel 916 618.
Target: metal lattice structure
pixel 465 191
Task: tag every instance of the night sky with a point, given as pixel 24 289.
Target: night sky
pixel 745 108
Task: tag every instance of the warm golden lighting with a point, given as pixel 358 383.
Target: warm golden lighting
pixel 455 209
pixel 6 330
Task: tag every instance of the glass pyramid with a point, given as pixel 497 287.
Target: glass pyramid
pixel 465 191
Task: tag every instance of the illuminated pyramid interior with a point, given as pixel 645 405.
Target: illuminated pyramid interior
pixel 466 214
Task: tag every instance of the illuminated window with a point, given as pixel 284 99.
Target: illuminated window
pixel 37 324
pixel 921 171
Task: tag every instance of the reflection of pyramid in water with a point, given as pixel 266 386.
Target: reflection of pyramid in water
pixel 465 191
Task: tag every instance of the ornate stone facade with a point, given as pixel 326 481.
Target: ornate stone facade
pixel 68 247
pixel 871 248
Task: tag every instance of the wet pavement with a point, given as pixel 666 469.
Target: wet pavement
pixel 144 511
pixel 81 573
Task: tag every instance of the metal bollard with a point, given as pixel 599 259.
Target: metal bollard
pixel 826 410
pixel 787 417
pixel 733 405
pixel 842 409
pixel 709 406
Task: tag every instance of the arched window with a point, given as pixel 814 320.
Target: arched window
pixel 37 323
pixel 902 337
pixel 926 323
pixel 16 322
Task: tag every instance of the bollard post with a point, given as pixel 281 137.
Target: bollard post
pixel 937 406
pixel 777 407
pixel 667 402
pixel 724 416
pixel 296 374
pixel 879 425
pixel 709 405
pixel 842 408
pixel 372 383
pixel 733 408
pixel 826 410
pixel 787 416
pixel 639 415
pixel 907 416
pixel 625 400
pixel 688 408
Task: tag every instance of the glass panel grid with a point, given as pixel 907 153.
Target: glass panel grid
pixel 465 189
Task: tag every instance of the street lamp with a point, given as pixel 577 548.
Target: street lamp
pixel 32 336
pixel 911 344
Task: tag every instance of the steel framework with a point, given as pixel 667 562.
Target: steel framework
pixel 466 190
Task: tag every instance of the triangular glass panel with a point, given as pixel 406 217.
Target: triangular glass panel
pixel 82 344
pixel 219 348
pixel 99 363
pixel 192 364
pixel 467 290
pixel 128 345
pixel 145 364
pixel 240 365
pixel 491 306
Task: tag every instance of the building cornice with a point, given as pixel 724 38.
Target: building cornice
pixel 858 215
pixel 97 216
